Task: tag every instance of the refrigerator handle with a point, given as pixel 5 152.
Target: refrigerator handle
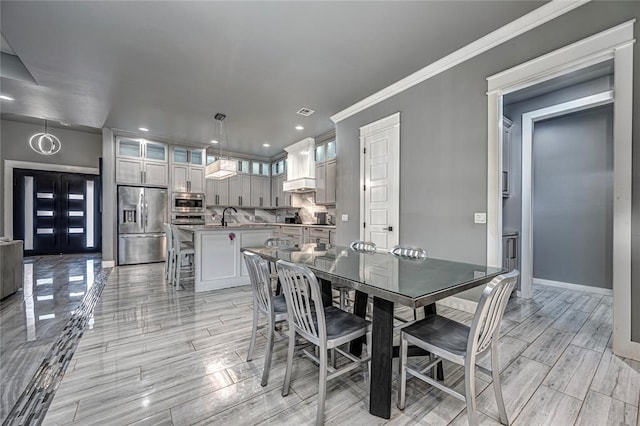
pixel 141 208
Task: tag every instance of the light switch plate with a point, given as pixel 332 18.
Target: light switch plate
pixel 345 218
pixel 479 218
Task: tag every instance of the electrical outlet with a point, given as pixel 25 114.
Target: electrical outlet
pixel 345 218
pixel 479 218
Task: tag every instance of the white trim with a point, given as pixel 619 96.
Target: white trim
pixel 531 20
pixel 9 165
pixel 528 120
pixel 108 263
pixel 459 303
pixel 556 62
pixel 571 286
pixel 392 120
pixel 616 43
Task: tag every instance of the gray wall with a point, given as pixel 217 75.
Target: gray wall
pixel 573 198
pixel 78 148
pixel 108 196
pixel 512 206
pixel 81 149
pixel 444 143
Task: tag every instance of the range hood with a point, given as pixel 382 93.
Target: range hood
pixel 301 167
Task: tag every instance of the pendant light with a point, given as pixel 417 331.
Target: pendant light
pixel 45 143
pixel 222 168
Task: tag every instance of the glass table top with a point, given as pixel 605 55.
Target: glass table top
pixel 407 281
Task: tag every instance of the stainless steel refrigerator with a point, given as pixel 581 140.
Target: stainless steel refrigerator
pixel 141 215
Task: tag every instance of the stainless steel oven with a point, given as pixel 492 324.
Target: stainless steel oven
pixel 187 219
pixel 187 202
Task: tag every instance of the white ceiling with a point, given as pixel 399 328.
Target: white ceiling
pixel 170 66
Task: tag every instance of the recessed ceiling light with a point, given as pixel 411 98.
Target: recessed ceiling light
pixel 299 127
pixel 6 98
pixel 266 145
pixel 143 129
pixel 214 141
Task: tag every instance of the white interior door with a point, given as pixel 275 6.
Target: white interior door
pixel 380 171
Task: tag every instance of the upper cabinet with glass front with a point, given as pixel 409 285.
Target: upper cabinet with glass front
pixel 191 156
pixel 325 151
pixel 279 167
pixel 141 162
pixel 259 168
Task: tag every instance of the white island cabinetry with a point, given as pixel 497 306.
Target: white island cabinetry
pixel 218 260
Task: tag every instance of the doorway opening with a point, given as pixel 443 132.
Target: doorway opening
pixel 56 212
pixel 616 45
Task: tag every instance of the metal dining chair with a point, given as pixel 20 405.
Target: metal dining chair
pixel 414 253
pixel 277 242
pixel 327 328
pixel 461 344
pixel 274 308
pixel 181 250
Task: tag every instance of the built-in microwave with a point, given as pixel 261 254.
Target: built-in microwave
pixel 187 202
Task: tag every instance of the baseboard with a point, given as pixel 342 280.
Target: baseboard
pixel 108 263
pixel 459 304
pixel 578 287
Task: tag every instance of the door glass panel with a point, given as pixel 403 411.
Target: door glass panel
pixel 76 197
pixel 331 150
pixel 76 213
pixel 196 157
pixel 90 219
pixel 255 168
pixel 45 195
pixel 156 152
pixel 76 230
pixel 45 231
pixel 129 148
pixel 180 155
pixel 44 213
pixel 319 153
pixel 211 159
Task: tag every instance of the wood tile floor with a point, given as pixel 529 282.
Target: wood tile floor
pixel 160 356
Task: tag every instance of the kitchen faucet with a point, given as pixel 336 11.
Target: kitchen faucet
pixel 224 223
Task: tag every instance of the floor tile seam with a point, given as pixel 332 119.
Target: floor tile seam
pixel 612 397
pixel 592 377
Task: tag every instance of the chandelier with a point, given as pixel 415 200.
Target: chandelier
pixel 45 143
pixel 221 168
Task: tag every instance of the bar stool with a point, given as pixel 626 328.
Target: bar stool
pixel 182 250
pixel 169 260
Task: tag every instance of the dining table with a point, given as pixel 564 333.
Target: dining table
pixel 416 283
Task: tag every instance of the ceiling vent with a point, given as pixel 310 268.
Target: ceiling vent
pixel 305 112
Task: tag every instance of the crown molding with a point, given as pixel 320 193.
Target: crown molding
pixel 525 23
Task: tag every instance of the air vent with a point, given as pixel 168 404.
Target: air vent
pixel 305 112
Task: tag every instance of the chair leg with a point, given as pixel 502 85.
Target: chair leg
pixel 254 331
pixel 292 346
pixel 178 269
pixel 497 387
pixel 470 390
pixel 322 389
pixel 402 389
pixel 267 358
pixel 369 352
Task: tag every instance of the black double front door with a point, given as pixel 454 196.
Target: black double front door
pixel 56 213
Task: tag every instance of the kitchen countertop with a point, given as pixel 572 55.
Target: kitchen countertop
pixel 253 225
pixel 248 226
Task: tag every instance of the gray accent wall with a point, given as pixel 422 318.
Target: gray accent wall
pixel 443 149
pixel 109 202
pixel 573 198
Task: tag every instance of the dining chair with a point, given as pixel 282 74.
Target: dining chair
pixel 169 253
pixel 277 242
pixel 461 344
pixel 274 308
pixel 182 250
pixel 327 328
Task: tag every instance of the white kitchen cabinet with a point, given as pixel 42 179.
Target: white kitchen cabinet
pixel 319 235
pixel 141 162
pixel 187 169
pixel 217 192
pixel 326 183
pixel 294 232
pixel 260 191
pixel 240 190
pixel 284 198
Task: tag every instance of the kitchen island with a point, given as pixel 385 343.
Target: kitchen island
pixel 218 262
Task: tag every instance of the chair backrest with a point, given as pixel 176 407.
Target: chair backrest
pixel 279 242
pixel 260 278
pixel 416 253
pixel 175 238
pixel 168 233
pixel 304 301
pixel 486 321
pixel 365 246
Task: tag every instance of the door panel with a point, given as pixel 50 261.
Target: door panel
pixel 196 177
pixel 179 178
pixel 155 211
pixel 56 213
pixel 130 210
pixel 155 174
pixel 129 171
